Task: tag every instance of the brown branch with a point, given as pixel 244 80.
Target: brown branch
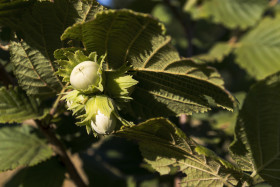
pixel 59 149
pixel 187 25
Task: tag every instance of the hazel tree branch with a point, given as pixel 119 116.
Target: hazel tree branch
pixel 57 145
pixel 60 150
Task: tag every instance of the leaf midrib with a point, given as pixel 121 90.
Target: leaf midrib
pixel 144 137
pixel 46 52
pixel 34 69
pixel 173 73
pixel 134 39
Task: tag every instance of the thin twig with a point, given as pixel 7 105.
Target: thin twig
pixel 57 145
pixel 56 103
pixel 59 149
pixel 187 26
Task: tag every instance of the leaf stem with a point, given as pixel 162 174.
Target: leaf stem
pixel 59 149
pixel 55 105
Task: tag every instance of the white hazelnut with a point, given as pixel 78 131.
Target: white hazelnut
pixel 84 74
pixel 103 124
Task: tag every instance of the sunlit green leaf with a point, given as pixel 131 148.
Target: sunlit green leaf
pixel 258 52
pixel 217 52
pixel 183 85
pixel 231 13
pixel 34 72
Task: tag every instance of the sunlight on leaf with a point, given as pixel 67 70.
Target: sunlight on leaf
pixel 164 146
pixel 231 13
pixel 258 52
pixel 127 37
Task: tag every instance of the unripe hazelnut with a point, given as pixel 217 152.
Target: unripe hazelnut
pixel 103 124
pixel 84 74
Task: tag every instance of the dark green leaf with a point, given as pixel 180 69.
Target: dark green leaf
pixel 16 106
pixel 40 29
pixel 9 10
pixel 21 146
pixel 33 71
pixel 164 93
pixel 124 35
pixel 140 40
pixel 164 146
pixel 257 142
pixel 50 173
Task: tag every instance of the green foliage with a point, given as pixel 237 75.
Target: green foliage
pixel 10 9
pixel 142 76
pixel 34 72
pixel 75 101
pixel 217 52
pixel 8 66
pixel 73 59
pixel 36 175
pixel 139 37
pixel 40 29
pixel 164 79
pixel 119 85
pixel 256 145
pixel 226 120
pixel 16 106
pixel 21 146
pixel 164 146
pixel 118 162
pixel 172 93
pixel 173 26
pixel 258 51
pixel 231 13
